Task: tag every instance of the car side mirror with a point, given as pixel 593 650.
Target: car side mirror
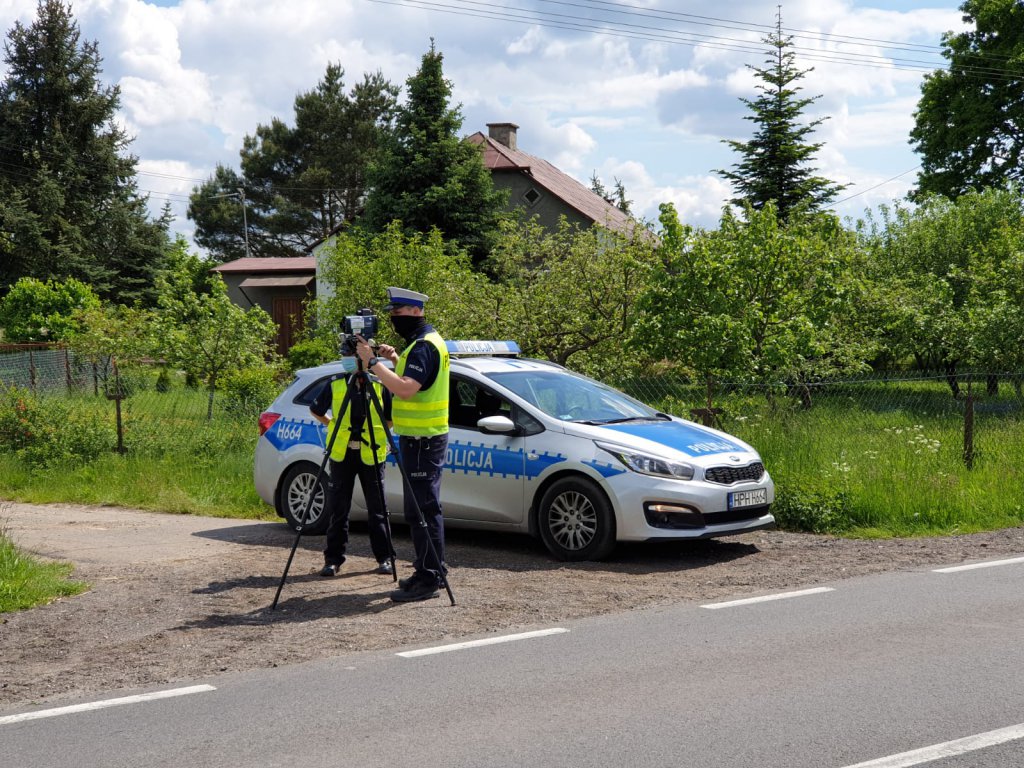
pixel 495 425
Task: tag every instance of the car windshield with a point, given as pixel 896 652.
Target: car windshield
pixel 571 397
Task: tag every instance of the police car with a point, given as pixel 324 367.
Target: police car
pixel 536 448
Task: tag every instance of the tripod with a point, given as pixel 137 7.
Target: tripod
pixel 358 377
pixel 363 376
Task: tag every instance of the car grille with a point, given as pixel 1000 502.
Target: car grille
pixel 730 475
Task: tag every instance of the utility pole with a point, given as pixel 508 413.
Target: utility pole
pixel 245 220
pixel 240 194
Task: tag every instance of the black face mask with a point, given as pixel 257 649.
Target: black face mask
pixel 407 326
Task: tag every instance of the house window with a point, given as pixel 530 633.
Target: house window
pixel 531 196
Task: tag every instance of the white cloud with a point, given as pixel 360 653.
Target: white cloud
pixel 198 76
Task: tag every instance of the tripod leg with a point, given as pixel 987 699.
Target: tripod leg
pixel 309 503
pixel 371 397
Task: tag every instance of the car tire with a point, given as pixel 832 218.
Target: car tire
pixel 292 498
pixel 576 521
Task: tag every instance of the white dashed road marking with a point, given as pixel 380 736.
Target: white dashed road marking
pixel 478 643
pixel 767 598
pixel 975 566
pixel 104 704
pixel 946 749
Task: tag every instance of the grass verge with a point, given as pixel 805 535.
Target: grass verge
pixel 26 581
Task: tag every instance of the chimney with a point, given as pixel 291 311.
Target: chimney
pixel 503 133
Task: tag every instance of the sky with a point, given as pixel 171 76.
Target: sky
pixel 643 91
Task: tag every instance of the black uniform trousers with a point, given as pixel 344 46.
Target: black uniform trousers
pixel 423 460
pixel 339 503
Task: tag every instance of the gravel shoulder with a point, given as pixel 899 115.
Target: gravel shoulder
pixel 178 598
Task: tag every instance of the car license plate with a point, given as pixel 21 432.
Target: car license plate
pixel 752 498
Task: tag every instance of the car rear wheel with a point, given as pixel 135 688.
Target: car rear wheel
pixel 294 496
pixel 576 521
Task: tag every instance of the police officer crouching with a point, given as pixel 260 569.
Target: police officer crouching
pixel 419 384
pixel 352 455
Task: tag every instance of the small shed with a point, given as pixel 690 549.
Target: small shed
pixel 280 286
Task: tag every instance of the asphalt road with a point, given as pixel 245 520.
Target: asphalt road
pixel 857 673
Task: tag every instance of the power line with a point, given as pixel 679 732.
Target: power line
pixel 882 184
pixel 478 9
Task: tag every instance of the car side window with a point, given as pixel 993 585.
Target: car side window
pixel 308 395
pixel 468 402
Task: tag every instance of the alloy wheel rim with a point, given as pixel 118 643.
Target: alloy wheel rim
pixel 572 521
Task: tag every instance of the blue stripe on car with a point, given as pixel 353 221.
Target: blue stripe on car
pixel 690 439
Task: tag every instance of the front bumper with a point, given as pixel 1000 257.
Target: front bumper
pixel 696 509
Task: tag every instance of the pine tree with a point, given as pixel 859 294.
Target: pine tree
pixel 69 206
pixel 299 183
pixel 428 176
pixel 774 162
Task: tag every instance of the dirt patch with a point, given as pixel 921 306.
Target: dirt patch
pixel 179 598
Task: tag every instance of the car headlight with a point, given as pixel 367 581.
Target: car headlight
pixel 646 464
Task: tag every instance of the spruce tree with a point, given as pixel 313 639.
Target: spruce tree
pixel 774 164
pixel 69 206
pixel 428 176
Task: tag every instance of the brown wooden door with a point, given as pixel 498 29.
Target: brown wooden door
pixel 288 316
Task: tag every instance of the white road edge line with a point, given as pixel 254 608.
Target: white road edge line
pixel 946 749
pixel 767 598
pixel 478 643
pixel 975 566
pixel 104 704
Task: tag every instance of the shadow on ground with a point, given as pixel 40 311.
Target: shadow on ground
pixel 504 551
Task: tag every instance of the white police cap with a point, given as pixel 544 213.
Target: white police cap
pixel 398 297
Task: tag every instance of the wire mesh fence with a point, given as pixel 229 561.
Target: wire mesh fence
pixel 906 452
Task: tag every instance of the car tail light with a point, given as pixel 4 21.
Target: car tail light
pixel 267 419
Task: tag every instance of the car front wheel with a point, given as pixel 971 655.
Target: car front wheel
pixel 576 521
pixel 293 499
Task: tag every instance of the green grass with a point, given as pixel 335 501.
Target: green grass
pixel 868 459
pixel 26 582
pixel 892 458
pixel 220 486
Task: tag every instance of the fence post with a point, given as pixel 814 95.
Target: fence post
pixel 969 428
pixel 31 372
pixel 95 381
pixel 117 407
pixel 67 367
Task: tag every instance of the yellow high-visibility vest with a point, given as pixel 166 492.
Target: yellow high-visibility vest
pixel 425 413
pixel 340 447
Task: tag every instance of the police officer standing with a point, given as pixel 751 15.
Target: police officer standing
pixel 352 455
pixel 419 383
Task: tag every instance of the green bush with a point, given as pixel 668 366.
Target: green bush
pixel 311 353
pixel 22 419
pixel 250 390
pixel 51 433
pixel 813 510
pixel 163 379
pixel 35 311
pixel 79 437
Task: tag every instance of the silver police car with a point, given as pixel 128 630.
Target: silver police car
pixel 536 448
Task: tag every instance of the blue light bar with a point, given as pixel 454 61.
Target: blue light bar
pixel 482 347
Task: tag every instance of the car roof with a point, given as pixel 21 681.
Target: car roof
pixel 482 364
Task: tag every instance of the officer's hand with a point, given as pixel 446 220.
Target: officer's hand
pixel 387 351
pixel 363 349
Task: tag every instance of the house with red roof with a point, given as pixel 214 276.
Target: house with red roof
pixel 539 188
pixel 282 286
